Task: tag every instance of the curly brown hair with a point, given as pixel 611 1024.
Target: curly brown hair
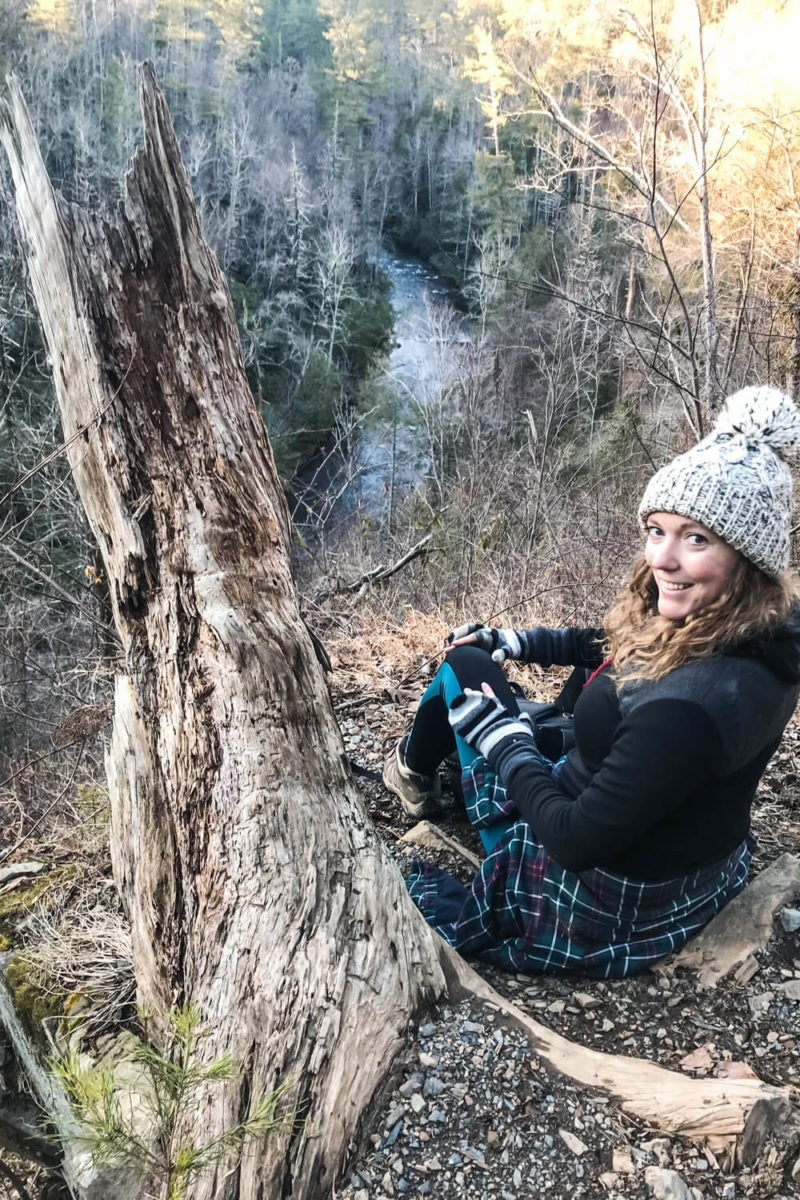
pixel 645 645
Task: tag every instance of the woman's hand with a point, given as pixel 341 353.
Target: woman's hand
pixel 482 721
pixel 500 643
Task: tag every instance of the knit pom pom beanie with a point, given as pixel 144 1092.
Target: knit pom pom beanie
pixel 735 481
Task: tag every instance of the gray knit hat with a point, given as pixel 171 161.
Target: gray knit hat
pixel 735 481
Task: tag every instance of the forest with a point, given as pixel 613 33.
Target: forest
pixel 599 205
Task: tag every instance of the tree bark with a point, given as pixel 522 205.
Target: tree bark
pixel 254 882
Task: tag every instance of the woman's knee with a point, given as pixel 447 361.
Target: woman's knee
pixel 470 662
pixel 472 666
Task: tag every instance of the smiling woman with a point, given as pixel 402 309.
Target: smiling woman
pixel 617 854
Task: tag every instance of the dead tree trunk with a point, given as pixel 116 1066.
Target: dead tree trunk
pixel 253 880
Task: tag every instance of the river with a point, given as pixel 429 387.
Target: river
pixel 378 457
pixel 393 448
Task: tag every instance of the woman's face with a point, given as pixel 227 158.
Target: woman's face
pixel 690 564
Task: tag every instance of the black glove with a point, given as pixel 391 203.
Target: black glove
pixel 502 738
pixel 537 645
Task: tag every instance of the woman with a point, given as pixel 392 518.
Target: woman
pixel 618 854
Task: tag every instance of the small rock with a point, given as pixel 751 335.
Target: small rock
pixel 609 1180
pixel 665 1184
pixel 790 919
pixel 607 1025
pixel 572 1142
pixel 387 1184
pixel 746 970
pixel 394 1134
pixel 426 1031
pixel 427 1060
pixel 729 1191
pixel 557 1007
pixel 411 1085
pixel 437 1116
pixel 397 1166
pixel 19 870
pixel 424 1188
pixel 699 1059
pixel 660 1148
pixel 472 1027
pixel 790 989
pixel 758 1005
pixel 585 1001
pixel 432 1164
pixel 622 1162
pixel 361 1194
pixel 395 1114
pixel 475 1155
pixel 433 1086
pixel 417 1103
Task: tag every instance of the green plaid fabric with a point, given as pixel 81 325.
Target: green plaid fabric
pixel 526 913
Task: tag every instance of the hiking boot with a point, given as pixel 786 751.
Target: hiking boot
pixel 420 795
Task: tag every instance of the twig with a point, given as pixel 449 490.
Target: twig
pixel 492 617
pixel 61 592
pixel 377 574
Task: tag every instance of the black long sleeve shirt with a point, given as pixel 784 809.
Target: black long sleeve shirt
pixel 662 777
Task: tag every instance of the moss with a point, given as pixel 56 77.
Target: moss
pixel 5 942
pixel 17 903
pixel 34 997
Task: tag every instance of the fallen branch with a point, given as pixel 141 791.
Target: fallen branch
pixel 717 1111
pixel 743 926
pixel 377 574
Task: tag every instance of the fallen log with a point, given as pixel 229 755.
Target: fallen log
pixel 732 1116
pixel 743 926
pixel 377 574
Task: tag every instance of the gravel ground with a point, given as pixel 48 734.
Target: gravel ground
pixel 472 1114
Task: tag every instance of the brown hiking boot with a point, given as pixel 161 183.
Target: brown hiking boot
pixel 420 795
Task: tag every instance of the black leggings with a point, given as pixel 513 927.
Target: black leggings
pixel 431 738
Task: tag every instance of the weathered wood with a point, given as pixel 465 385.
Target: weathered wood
pixel 254 881
pixel 743 926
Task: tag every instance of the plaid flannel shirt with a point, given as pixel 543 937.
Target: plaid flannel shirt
pixel 524 912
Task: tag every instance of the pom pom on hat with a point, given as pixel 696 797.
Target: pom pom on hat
pixel 761 414
pixel 735 481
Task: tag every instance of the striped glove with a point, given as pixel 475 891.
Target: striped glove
pixel 500 643
pixel 502 738
pixel 537 645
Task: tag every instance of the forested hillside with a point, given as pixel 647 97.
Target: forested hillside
pixel 611 199
pixel 601 202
